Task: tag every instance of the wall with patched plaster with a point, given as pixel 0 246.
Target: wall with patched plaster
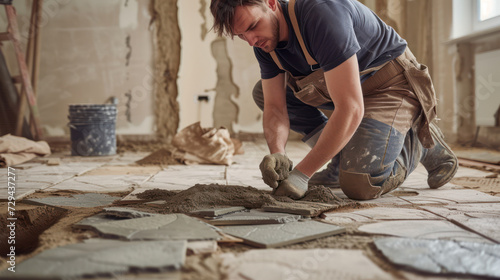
pixel 223 69
pixel 90 51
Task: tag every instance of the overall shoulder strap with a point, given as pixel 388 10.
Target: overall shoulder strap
pixel 295 25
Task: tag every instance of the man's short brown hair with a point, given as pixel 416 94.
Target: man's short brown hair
pixel 223 12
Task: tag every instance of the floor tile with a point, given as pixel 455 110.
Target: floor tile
pixel 300 264
pixel 245 176
pixel 423 229
pixel 270 236
pixel 77 200
pixel 159 227
pixel 439 196
pixel 202 247
pixel 97 257
pixel 441 256
pixel 378 214
pixel 480 155
pixel 483 218
pixel 101 183
pixel 181 177
pixel 129 213
pixel 254 217
pixel 214 212
pixel 304 208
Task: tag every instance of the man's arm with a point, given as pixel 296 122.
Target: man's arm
pixel 345 90
pixel 276 123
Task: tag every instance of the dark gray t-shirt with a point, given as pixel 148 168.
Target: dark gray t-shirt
pixel 333 31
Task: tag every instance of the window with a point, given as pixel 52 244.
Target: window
pixel 486 14
pixel 488 9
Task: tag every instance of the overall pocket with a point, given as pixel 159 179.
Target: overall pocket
pixel 312 96
pixel 312 89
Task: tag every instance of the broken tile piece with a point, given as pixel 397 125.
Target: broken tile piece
pixel 303 208
pixel 300 264
pixel 377 214
pixel 423 229
pixel 99 257
pixel 202 247
pixel 441 256
pixel 270 236
pixel 159 227
pixel 483 218
pixel 89 222
pixel 124 212
pixel 254 217
pixel 439 196
pixel 214 212
pixel 77 200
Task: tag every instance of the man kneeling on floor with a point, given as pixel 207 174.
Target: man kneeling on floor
pixel 338 55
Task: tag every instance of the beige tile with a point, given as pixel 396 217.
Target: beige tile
pixel 378 214
pixel 483 218
pixel 300 264
pixel 440 196
pixel 425 229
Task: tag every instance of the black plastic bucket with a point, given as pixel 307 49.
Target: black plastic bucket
pixel 93 129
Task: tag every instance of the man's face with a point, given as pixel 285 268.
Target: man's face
pixel 258 26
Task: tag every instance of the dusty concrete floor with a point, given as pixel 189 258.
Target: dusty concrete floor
pixel 119 176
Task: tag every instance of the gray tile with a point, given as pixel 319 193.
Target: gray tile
pixel 423 229
pixel 483 218
pixel 124 212
pixel 254 217
pixel 77 200
pixel 159 227
pixel 300 264
pixel 449 197
pixel 89 222
pixel 269 236
pixel 440 256
pixel 109 215
pixel 377 214
pixel 98 257
pixel 214 212
pixel 304 208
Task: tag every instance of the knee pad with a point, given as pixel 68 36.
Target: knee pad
pixel 358 186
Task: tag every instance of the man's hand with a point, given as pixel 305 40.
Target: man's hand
pixel 295 186
pixel 275 168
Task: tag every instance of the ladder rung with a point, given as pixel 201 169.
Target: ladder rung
pixel 5 36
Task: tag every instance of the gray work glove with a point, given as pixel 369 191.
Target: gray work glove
pixel 295 186
pixel 275 168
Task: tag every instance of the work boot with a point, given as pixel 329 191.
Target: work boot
pixel 440 161
pixel 329 177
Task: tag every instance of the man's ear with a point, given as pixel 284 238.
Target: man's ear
pixel 272 4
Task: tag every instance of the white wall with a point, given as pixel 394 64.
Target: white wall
pixel 84 60
pixel 487 87
pixel 197 75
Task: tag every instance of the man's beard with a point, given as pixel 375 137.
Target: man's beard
pixel 273 42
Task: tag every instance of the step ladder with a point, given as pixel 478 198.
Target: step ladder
pixel 24 78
